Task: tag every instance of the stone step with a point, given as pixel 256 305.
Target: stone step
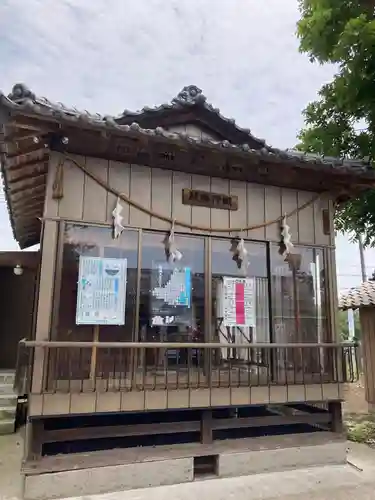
pixel 7 377
pixel 6 389
pixel 7 427
pixel 9 399
pixel 8 412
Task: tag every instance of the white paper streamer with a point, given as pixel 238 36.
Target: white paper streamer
pixel 171 249
pixel 241 255
pixel 117 219
pixel 286 238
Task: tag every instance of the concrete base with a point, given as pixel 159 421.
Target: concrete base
pixel 256 462
pixel 271 455
pixel 106 479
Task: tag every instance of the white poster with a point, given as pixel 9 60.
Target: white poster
pixel 101 294
pixel 238 298
pixel 171 295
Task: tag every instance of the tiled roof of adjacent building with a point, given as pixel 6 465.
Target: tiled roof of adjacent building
pixel 361 296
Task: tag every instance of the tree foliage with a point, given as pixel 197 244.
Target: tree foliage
pixel 341 122
pixel 344 326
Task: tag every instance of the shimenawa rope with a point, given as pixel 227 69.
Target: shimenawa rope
pixel 177 222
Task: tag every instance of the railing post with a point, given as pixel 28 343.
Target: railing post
pixel 340 365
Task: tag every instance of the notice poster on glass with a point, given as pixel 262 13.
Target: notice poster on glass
pixel 171 295
pixel 238 302
pixel 101 293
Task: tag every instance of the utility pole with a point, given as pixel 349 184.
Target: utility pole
pixel 362 258
pixel 351 324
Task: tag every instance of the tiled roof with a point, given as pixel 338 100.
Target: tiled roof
pixel 26 119
pixel 190 97
pixel 23 100
pixel 361 296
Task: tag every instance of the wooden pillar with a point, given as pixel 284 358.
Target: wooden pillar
pixel 206 427
pixel 45 299
pixel 334 408
pixel 34 438
pixel 367 317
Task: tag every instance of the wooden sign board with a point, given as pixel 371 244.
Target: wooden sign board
pixel 210 200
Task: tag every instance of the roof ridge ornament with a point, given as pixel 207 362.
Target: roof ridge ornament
pixel 189 95
pixel 20 92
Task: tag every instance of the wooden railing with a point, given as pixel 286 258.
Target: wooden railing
pixel 23 374
pixel 128 366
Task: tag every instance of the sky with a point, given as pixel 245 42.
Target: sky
pixel 109 55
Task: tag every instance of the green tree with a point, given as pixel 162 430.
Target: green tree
pixel 341 122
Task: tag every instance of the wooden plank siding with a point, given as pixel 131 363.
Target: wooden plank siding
pixel 161 190
pixel 93 402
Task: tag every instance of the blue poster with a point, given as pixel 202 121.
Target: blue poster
pixel 101 293
pixel 171 295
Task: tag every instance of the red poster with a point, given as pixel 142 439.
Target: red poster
pixel 240 303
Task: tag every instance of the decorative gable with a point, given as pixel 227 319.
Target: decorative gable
pixel 190 113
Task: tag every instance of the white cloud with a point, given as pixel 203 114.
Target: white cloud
pixel 107 55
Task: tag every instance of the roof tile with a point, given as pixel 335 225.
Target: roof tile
pixel 21 98
pixel 361 296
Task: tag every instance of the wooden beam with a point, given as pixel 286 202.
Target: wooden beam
pixel 22 136
pixel 32 214
pixel 232 423
pixel 61 435
pixel 27 182
pixel 31 201
pixel 206 426
pixel 26 151
pixel 12 167
pixel 28 123
pixel 39 167
pixel 29 211
pixel 182 345
pixel 27 193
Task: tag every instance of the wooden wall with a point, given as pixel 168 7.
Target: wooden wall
pixel 161 191
pixel 367 317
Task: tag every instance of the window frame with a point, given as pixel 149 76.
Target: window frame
pixel 207 239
